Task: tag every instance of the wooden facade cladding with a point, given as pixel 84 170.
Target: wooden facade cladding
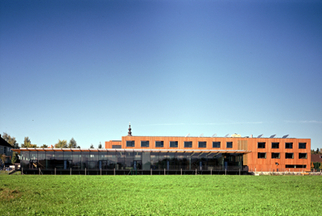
pixel 250 145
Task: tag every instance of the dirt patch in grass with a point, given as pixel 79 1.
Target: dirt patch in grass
pixel 6 194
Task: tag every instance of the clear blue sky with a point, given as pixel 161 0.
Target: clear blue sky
pixel 85 69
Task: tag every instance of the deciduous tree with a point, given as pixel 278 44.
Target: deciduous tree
pixel 44 146
pixel 27 144
pixel 92 146
pixel 100 145
pixel 61 144
pixel 11 140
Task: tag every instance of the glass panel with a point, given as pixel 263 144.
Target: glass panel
pixel 145 144
pixel 93 160
pixel 216 144
pixel 188 144
pixel 120 156
pixel 229 144
pixel 42 160
pixel 202 144
pixel 159 144
pixel 77 159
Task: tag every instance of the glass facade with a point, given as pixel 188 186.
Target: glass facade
pixel 129 160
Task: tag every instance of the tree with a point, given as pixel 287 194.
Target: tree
pixel 78 147
pixel 3 158
pixel 72 143
pixel 11 140
pixel 14 157
pixel 61 144
pixel 27 144
pixel 92 146
pixel 317 151
pixel 44 146
pixel 100 145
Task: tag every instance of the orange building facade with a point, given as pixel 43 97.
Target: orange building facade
pixel 258 154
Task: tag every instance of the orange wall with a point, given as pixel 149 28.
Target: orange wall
pixel 251 159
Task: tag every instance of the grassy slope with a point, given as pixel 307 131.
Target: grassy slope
pixel 137 195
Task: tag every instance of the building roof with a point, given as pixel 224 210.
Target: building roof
pixel 4 143
pixel 316 158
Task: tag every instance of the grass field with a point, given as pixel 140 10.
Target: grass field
pixel 164 195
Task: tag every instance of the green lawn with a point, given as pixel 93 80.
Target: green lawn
pixel 165 195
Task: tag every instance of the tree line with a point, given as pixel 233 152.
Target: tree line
pixel 27 143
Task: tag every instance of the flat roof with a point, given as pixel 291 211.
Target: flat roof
pixel 132 150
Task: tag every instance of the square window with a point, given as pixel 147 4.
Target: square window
pixel 229 144
pixel 261 155
pixel 289 155
pixel 302 145
pixel 202 144
pixel 159 144
pixel 261 145
pixel 302 155
pixel 145 144
pixel 188 144
pixel 216 144
pixel 130 143
pixel 276 155
pixel 173 144
pixel 288 145
pixel 275 145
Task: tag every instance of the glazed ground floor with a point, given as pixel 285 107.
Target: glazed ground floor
pixel 102 162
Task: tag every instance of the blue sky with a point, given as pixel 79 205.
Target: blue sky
pixel 85 69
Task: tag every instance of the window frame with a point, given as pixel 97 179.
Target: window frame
pixel 229 142
pixel 130 141
pixel 147 141
pixel 261 143
pixel 202 142
pixel 275 143
pixel 301 143
pixel 161 141
pixel 303 154
pixel 289 153
pixel 171 142
pixel 288 144
pixel 217 142
pixel 258 155
pixel 279 155
pixel 186 142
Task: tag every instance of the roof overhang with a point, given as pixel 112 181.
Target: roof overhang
pixel 133 150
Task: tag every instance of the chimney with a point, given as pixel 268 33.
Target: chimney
pixel 129 133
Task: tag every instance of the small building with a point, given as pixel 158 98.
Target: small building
pixel 5 149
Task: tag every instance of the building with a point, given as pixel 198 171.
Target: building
pixel 174 155
pixel 5 149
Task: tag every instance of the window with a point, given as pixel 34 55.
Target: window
pixel 302 155
pixel 145 144
pixel 261 155
pixel 288 145
pixel 302 145
pixel 173 144
pixel 202 144
pixel 130 143
pixel 275 145
pixel 276 155
pixel 188 144
pixel 261 145
pixel 159 144
pixel 289 155
pixel 216 144
pixel 295 166
pixel 116 146
pixel 229 144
